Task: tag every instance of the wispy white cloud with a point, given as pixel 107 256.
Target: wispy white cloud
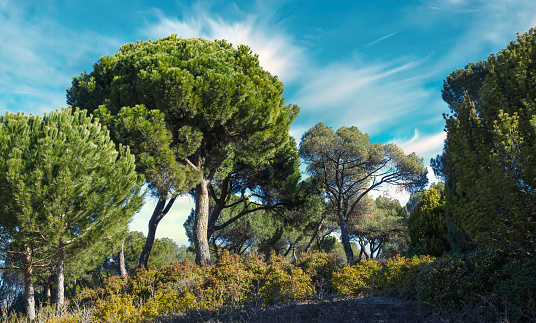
pixel 492 25
pixel 371 95
pixel 277 50
pixel 39 57
pixel 424 146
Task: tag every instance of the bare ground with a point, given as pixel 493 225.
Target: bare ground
pixel 335 310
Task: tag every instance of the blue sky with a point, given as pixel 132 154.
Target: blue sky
pixel 377 65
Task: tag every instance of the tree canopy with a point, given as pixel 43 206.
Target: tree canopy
pixel 219 104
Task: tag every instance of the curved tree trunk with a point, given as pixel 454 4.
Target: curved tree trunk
pixel 202 253
pixel 317 232
pixel 28 283
pixel 160 210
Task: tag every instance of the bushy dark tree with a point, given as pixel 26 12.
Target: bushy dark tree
pixel 489 154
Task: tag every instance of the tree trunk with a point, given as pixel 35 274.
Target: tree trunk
pixel 48 289
pixel 160 210
pixel 122 268
pixel 218 206
pixel 317 231
pixel 202 253
pixel 288 250
pixel 215 246
pixel 346 239
pixel 28 283
pixel 60 276
pixel 361 251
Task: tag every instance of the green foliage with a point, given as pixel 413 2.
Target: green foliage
pixel 232 281
pixel 65 188
pixel 452 282
pixel 74 171
pixel 460 278
pixel 427 224
pixel 117 308
pixel 467 80
pixel 150 140
pixel 489 154
pixel 515 291
pixel 164 251
pixel 283 282
pixel 380 228
pixel 229 280
pixel 252 231
pixel 481 278
pixel 399 275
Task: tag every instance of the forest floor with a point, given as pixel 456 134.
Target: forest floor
pixel 335 309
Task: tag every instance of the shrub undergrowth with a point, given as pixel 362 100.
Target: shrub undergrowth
pixel 454 281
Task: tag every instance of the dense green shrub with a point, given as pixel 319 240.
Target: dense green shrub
pixel 115 285
pixel 459 279
pixel 167 301
pixel 454 281
pixel 230 280
pixel 516 290
pixel 142 282
pixel 185 273
pixel 481 278
pixel 116 308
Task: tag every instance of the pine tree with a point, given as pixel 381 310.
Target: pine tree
pixel 348 167
pixel 64 187
pixel 221 107
pixel 490 153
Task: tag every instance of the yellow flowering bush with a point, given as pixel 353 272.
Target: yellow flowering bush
pixel 230 281
pixel 116 308
pixel 356 279
pixel 283 282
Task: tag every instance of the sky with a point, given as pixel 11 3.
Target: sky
pixel 377 65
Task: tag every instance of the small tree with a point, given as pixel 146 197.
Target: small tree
pixel 63 186
pixel 349 167
pixel 427 223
